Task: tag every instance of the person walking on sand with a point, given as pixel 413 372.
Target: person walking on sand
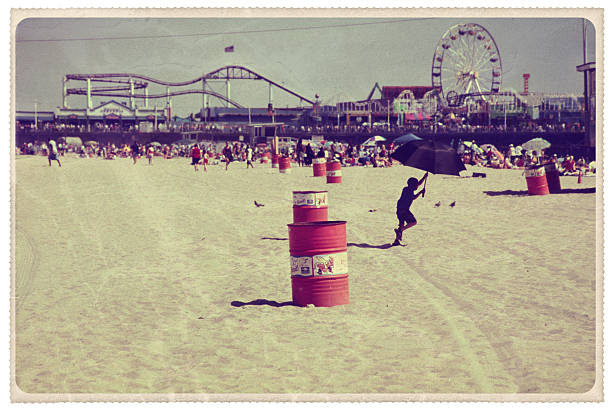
pixel 135 151
pixel 227 153
pixel 196 155
pixel 150 154
pixel 404 215
pixel 53 153
pixel 249 157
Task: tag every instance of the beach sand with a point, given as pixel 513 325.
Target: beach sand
pixel 157 279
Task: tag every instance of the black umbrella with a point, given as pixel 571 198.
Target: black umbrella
pixel 406 138
pixel 429 155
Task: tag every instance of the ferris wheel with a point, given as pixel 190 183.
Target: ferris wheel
pixel 466 64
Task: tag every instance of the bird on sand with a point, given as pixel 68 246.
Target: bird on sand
pixel 257 204
pixel 452 204
pixel 437 204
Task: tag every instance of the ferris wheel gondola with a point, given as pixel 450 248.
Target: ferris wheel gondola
pixel 466 64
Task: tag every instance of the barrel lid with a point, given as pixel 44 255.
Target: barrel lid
pixel 310 191
pixel 316 223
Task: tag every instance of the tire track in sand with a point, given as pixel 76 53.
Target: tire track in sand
pixel 26 264
pixel 485 368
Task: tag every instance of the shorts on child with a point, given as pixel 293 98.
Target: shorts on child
pixel 405 216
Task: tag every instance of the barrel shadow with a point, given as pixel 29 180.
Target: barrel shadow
pixel 274 238
pixel 365 245
pixel 262 301
pixel 507 193
pixel 521 193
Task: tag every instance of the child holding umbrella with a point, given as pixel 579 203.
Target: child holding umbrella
pixel 405 218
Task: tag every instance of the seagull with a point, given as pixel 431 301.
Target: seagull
pixel 437 204
pixel 257 204
pixel 452 204
pixel 372 210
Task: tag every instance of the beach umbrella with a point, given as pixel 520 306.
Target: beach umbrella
pixel 372 141
pixel 155 143
pixel 431 156
pixel 406 138
pixel 90 143
pixel 536 144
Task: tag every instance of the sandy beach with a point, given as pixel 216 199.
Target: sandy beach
pixel 157 279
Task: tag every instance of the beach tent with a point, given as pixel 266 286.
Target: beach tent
pixel 494 149
pixel 473 146
pixel 74 141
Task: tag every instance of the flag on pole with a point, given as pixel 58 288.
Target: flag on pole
pixel 229 49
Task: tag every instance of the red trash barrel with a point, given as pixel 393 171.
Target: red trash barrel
pixel 284 165
pixel 265 158
pixel 318 167
pixel 309 206
pixel 334 173
pixel 319 263
pixel 274 160
pixel 552 178
pixel 536 181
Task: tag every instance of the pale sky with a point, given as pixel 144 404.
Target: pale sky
pixel 339 59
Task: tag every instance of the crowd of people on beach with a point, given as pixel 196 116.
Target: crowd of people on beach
pixel 352 128
pixel 303 153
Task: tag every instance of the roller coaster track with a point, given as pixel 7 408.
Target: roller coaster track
pixel 128 79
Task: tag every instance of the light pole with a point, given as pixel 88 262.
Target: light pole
pixel 504 116
pixel 35 114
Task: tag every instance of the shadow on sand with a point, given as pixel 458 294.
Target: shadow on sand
pixel 365 245
pixel 517 193
pixel 274 238
pixel 261 301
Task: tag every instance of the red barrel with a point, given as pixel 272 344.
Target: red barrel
pixel 265 157
pixel 318 167
pixel 284 165
pixel 320 291
pixel 309 206
pixel 274 160
pixel 552 178
pixel 536 181
pixel 334 173
pixel 319 263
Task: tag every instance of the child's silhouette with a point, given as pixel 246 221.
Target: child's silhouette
pixel 403 206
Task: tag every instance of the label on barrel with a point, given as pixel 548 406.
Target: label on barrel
pixel 318 160
pixel 324 264
pixel 334 173
pixel 310 199
pixel 535 172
